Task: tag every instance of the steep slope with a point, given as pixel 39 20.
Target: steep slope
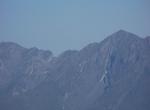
pixel 128 62
pixel 111 75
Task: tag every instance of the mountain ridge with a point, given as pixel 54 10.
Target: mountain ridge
pixel 116 35
pixel 108 75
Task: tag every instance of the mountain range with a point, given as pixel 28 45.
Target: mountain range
pixel 113 74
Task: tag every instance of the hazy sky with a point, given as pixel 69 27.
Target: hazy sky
pixel 58 25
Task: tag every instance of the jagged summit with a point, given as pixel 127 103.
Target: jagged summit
pixel 122 31
pixel 121 39
pixel 123 35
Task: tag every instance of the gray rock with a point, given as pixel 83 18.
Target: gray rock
pixel 111 75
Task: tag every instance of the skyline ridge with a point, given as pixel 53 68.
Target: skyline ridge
pixel 115 34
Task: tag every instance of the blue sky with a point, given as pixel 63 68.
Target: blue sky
pixel 58 25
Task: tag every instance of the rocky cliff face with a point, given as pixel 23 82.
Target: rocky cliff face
pixel 111 75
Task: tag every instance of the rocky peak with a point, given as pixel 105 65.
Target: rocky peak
pixel 122 36
pixel 121 41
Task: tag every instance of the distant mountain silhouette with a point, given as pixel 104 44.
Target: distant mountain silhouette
pixel 111 75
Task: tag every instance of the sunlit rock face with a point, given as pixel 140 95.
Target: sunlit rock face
pixel 111 75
